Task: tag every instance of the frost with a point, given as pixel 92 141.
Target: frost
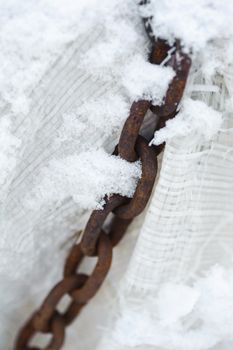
pixel 85 178
pixel 195 116
pixel 145 80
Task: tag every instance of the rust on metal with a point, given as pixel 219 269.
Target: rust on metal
pixel 104 254
pixel 118 229
pixel 181 63
pixel 145 185
pixel 95 223
pixel 57 331
pixel 129 135
pixel 159 52
pixel 43 317
pixel 95 241
pixel 25 335
pixel 73 260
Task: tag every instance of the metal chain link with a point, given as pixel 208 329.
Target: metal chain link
pixel 95 241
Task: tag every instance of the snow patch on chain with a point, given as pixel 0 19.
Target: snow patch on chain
pixel 144 80
pixel 84 178
pixel 194 117
pixel 195 23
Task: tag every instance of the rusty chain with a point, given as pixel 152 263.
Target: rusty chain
pixel 95 241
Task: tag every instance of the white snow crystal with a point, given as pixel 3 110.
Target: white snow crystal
pixel 85 178
pixel 215 305
pixel 35 35
pixel 32 34
pixel 145 80
pixel 195 116
pixel 194 22
pixel 182 316
pixel 107 113
pixel 175 301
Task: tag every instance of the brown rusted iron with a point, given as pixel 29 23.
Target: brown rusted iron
pixel 118 229
pixel 25 335
pixel 28 331
pixel 129 134
pixel 173 56
pixel 145 185
pixel 104 253
pixel 160 51
pixel 95 223
pixel 95 242
pixel 58 332
pixel 43 317
pixel 181 63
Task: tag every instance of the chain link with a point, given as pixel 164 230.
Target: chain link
pixel 95 241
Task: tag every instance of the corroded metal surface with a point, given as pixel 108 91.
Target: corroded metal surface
pixel 145 185
pixel 181 63
pixel 95 241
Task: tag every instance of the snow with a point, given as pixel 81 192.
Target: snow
pixel 85 178
pixel 203 29
pixel 194 117
pixel 182 316
pixel 105 116
pixel 170 307
pixel 194 22
pixel 145 80
pixel 109 111
pixel 89 174
pixel 33 36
